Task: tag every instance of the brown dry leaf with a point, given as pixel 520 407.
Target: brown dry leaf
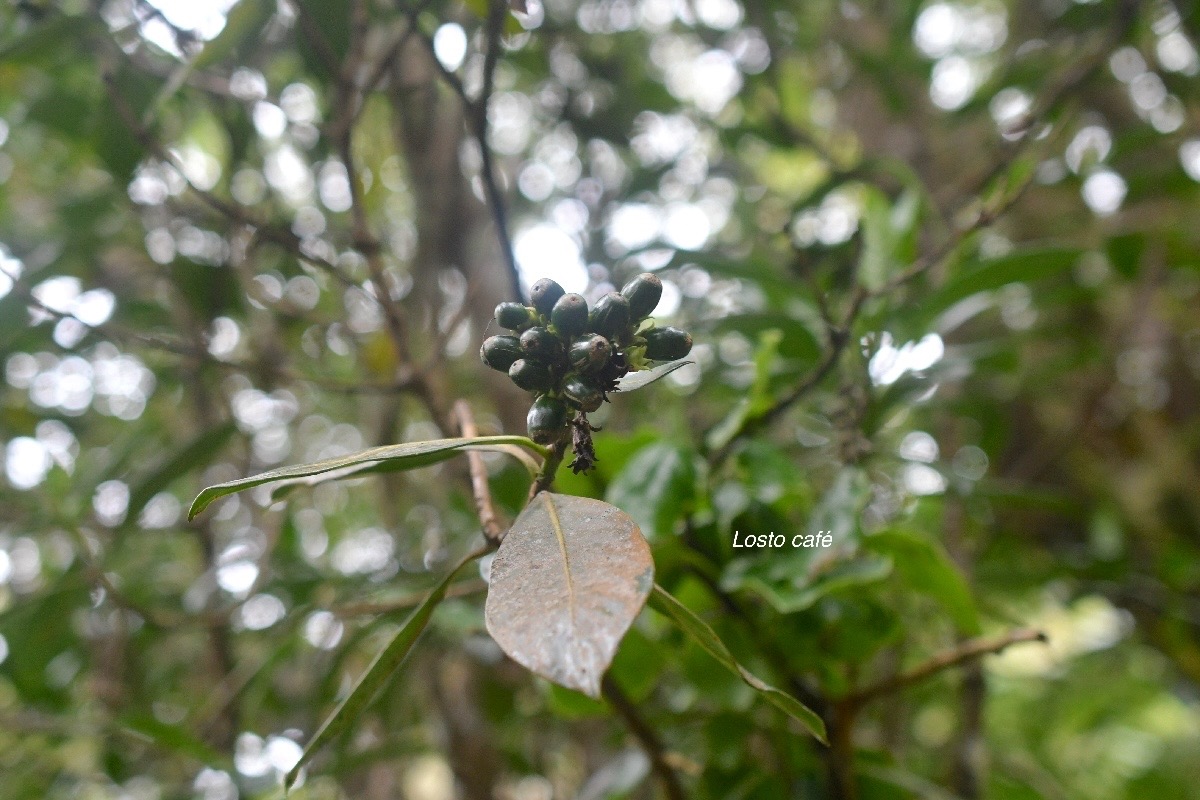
pixel 569 579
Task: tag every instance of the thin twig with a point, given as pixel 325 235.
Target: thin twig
pixel 493 529
pixel 960 654
pixel 235 212
pixel 647 737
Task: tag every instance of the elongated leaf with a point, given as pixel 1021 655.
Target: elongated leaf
pixel 662 602
pixel 285 488
pixel 378 673
pixel 569 579
pixel 409 455
pixel 797 338
pixel 645 377
pixel 195 454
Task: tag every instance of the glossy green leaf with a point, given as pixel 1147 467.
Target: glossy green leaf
pixel 662 602
pixel 409 455
pixel 656 486
pixel 284 488
pixel 790 594
pixel 379 671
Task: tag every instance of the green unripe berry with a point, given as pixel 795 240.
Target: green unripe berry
pixel 582 393
pixel 589 353
pixel 643 294
pixel 611 318
pixel 540 343
pixel 667 344
pixel 547 420
pixel 544 294
pixel 514 316
pixel 570 315
pixel 532 376
pixel 499 352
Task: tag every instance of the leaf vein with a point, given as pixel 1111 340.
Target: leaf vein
pixel 562 546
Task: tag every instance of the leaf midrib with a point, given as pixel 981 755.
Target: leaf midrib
pixel 552 512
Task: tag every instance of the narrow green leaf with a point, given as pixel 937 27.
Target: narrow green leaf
pixel 242 26
pixel 798 340
pixel 286 487
pixel 662 602
pixel 408 455
pixel 876 265
pixel 378 673
pixel 196 453
pixel 645 377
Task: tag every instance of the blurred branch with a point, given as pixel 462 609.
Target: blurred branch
pixel 477 119
pixel 118 334
pixel 234 211
pixel 95 574
pixel 1066 86
pixel 646 736
pixel 969 768
pixel 963 653
pixel 497 13
pixel 365 241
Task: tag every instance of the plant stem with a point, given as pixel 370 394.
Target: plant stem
pixel 493 528
pixel 646 736
pixel 545 476
pixel 967 651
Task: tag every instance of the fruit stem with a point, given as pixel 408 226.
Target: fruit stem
pixel 545 475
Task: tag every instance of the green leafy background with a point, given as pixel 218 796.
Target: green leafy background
pixel 941 264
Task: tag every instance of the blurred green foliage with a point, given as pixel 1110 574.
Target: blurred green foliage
pixel 941 264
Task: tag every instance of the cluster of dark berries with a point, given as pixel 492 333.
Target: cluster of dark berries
pixel 571 357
